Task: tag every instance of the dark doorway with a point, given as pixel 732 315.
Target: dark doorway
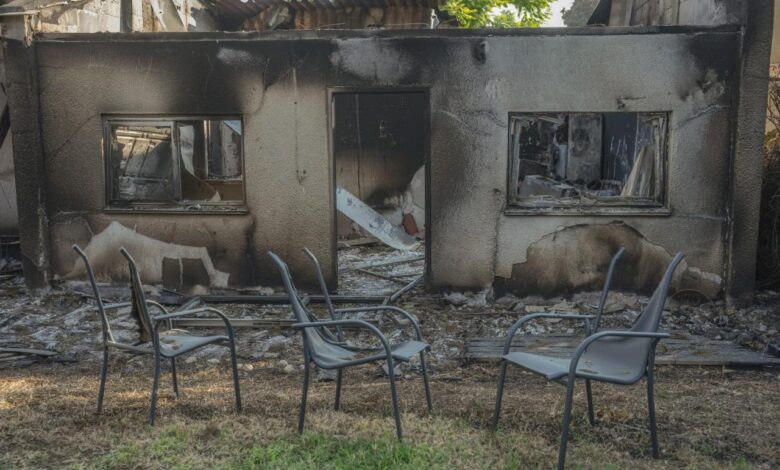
pixel 380 142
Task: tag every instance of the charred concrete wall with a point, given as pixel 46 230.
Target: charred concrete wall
pixel 279 83
pixel 86 16
pixel 21 80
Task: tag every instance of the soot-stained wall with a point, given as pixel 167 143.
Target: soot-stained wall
pixel 279 83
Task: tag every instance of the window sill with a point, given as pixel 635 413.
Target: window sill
pixel 182 210
pixel 594 211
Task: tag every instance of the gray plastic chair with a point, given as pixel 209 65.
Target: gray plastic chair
pixel 338 314
pixel 619 357
pixel 173 345
pixel 323 350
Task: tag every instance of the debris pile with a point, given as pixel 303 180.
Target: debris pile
pixel 378 270
pixel 64 322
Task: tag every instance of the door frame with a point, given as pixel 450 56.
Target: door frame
pixel 332 91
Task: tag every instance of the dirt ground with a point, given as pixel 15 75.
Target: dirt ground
pixel 706 417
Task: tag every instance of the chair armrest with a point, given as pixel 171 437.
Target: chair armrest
pixel 535 316
pixel 181 313
pixel 386 309
pixel 158 306
pixel 356 323
pixel 603 334
pixel 164 311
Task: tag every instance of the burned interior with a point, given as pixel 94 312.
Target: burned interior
pixel 174 162
pixel 379 149
pixel 587 159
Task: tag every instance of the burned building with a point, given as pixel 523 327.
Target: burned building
pixel 544 150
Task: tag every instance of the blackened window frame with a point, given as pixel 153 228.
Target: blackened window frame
pixel 173 206
pixel 619 205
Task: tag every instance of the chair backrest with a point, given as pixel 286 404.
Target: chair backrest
pixel 140 310
pixel 650 318
pixel 605 290
pixel 107 334
pixel 321 281
pixel 316 339
pixel 629 356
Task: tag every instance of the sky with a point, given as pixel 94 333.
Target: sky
pixel 556 20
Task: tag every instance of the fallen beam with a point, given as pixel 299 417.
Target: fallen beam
pixel 271 299
pixel 381 276
pixel 680 350
pixel 373 222
pixel 191 322
pixel 377 264
pixel 403 290
pixel 31 352
pixel 235 322
pixel 359 242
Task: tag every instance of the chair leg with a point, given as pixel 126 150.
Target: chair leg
pixel 175 379
pixel 651 412
pixel 302 412
pixel 156 384
pixel 566 422
pixel 394 396
pixel 500 393
pixel 234 362
pixel 591 414
pixel 103 377
pixel 337 405
pixel 425 381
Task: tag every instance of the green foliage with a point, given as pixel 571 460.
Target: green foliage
pixel 579 12
pixel 499 13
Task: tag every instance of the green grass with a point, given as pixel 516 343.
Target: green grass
pixel 183 448
pixel 319 451
pixel 167 450
pixel 310 451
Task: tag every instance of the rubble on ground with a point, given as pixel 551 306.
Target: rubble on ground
pixel 63 321
pixel 385 261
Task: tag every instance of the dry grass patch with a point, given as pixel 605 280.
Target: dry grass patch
pixel 707 418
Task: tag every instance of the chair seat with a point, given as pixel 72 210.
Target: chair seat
pixel 554 368
pixel 333 356
pixel 174 345
pixel 408 349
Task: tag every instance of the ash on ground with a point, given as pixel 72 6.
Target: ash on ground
pixel 63 320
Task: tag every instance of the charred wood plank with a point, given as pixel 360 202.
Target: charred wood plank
pixel 192 322
pixel 270 299
pixel 680 350
pixel 377 264
pixel 30 352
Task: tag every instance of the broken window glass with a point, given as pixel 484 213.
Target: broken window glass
pixel 225 158
pixel 560 160
pixel 141 159
pixel 211 163
pixel 180 161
